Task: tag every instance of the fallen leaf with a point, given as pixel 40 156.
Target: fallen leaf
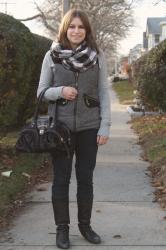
pixel 157 184
pixel 117 236
pixel 160 188
pixel 164 191
pixel 26 175
pixel 41 189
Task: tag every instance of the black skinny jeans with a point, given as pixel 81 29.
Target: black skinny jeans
pixel 84 146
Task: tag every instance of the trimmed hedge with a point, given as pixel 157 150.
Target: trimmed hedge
pixel 21 55
pixel 149 75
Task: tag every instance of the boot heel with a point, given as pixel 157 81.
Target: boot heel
pixel 62 237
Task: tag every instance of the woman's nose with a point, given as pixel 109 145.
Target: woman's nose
pixel 76 29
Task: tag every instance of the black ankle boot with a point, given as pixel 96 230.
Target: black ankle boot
pixel 62 236
pixel 89 234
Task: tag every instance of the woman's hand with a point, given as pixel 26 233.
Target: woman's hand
pixel 69 93
pixel 101 140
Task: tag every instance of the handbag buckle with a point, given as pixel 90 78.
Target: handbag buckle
pixel 41 131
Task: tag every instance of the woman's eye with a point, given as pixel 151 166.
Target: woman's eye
pixel 73 27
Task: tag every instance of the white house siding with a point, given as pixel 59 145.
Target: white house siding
pixel 151 40
pixel 163 33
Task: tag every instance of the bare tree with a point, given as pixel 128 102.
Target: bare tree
pixel 49 15
pixel 111 19
pixel 159 1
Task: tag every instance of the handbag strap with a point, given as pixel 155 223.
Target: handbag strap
pixel 38 105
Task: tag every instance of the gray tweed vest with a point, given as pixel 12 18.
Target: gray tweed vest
pixel 83 112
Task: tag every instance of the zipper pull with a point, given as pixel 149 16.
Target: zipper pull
pixel 76 77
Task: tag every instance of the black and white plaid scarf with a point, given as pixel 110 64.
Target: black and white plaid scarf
pixel 80 59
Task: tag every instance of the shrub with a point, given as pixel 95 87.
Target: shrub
pixel 149 74
pixel 21 55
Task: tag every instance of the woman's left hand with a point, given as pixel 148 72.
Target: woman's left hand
pixel 101 140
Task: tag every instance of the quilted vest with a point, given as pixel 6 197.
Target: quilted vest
pixel 83 112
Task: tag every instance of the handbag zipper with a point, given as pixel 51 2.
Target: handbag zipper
pixel 75 104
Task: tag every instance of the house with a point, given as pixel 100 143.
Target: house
pixel 135 53
pixel 163 30
pixel 123 65
pixel 155 32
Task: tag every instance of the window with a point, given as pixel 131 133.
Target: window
pixel 157 38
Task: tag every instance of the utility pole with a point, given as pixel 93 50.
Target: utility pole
pixel 6 5
pixel 65 6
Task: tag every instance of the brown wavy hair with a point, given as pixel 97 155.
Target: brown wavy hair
pixel 67 19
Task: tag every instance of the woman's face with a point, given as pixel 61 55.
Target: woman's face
pixel 76 32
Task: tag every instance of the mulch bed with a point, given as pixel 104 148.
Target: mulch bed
pixel 157 168
pixel 158 174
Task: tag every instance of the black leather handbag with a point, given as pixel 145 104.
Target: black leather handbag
pixel 44 134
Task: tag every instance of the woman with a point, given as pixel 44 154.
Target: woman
pixel 75 70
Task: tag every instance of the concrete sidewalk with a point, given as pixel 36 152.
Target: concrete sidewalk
pixel 124 213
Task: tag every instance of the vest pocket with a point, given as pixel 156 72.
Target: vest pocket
pixel 90 102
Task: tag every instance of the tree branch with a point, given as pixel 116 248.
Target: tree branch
pixel 31 18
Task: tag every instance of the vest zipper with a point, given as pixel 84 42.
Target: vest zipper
pixel 76 74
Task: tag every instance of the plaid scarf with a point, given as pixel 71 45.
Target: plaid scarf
pixel 80 59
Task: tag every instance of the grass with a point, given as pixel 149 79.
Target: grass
pixel 152 133
pixel 157 150
pixel 14 187
pixel 124 90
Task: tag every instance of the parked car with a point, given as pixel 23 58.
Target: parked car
pixel 119 77
pixel 123 77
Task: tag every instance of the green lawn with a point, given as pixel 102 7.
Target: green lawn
pixel 124 90
pixel 152 133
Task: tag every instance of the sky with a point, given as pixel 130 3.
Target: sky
pixel 143 10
